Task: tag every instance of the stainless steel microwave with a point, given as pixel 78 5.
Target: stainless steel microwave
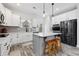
pixel 56 28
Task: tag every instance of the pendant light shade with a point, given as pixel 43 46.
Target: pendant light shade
pixel 44 10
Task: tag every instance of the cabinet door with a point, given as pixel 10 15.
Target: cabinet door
pixel 4 50
pixel 27 37
pixel 8 19
pixel 14 38
pixel 2 8
pixel 15 20
pixel 7 15
pixel 24 37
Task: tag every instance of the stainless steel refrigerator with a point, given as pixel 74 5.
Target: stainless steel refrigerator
pixel 69 32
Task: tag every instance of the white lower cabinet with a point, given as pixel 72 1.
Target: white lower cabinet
pixel 14 38
pixel 21 37
pixel 4 46
pixel 24 37
pixel 4 50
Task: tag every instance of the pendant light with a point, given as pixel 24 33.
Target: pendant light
pixel 44 10
pixel 52 9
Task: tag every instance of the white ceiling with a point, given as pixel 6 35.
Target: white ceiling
pixel 27 8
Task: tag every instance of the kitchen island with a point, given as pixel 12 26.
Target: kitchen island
pixel 39 40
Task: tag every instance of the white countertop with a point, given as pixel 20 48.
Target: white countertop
pixel 45 35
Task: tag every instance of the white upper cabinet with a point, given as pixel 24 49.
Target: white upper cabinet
pixel 2 8
pixel 10 19
pixel 15 20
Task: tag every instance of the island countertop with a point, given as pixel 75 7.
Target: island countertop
pixel 45 35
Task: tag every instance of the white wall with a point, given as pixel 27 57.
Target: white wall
pixel 65 16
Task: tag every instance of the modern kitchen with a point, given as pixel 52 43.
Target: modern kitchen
pixel 39 29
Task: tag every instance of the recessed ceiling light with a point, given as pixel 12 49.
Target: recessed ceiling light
pixel 18 4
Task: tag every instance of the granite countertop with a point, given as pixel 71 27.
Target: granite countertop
pixel 45 35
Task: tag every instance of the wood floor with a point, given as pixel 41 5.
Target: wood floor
pixel 22 50
pixel 27 50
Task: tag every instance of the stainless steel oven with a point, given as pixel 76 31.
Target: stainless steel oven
pixel 56 28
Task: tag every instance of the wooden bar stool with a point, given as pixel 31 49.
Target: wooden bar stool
pixel 53 46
